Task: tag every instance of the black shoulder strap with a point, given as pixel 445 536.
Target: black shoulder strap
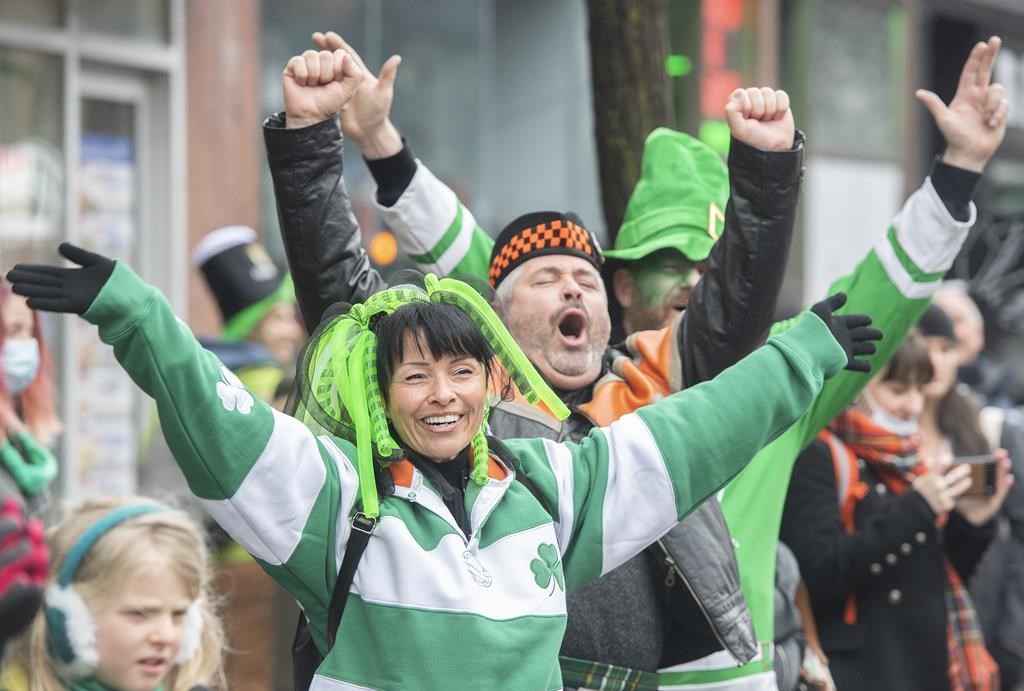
pixel 305 655
pixel 362 528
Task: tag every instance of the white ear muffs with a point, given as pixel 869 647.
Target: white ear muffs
pixel 72 632
pixel 191 633
pixel 70 627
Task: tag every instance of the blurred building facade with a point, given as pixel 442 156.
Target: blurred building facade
pixel 131 126
pixel 93 150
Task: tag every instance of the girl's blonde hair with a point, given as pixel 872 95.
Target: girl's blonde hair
pixel 169 539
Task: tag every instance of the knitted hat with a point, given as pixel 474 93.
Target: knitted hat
pixel 935 322
pixel 679 201
pixel 244 281
pixel 539 233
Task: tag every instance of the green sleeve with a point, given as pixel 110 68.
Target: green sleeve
pixel 623 486
pixel 272 485
pixel 893 284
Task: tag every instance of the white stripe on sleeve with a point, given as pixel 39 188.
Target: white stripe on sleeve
pixel 560 460
pixel 271 507
pixel 639 504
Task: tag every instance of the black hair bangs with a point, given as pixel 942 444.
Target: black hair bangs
pixel 437 328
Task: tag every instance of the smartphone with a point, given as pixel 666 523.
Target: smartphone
pixel 983 474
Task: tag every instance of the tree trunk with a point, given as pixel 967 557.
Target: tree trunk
pixel 629 41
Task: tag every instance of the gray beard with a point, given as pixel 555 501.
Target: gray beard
pixel 537 336
pixel 573 364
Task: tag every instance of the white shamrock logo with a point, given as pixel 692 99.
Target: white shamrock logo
pixel 232 392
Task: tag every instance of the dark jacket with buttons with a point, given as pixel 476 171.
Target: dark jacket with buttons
pixel 892 563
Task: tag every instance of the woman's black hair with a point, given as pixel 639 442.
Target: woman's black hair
pixel 911 363
pixel 437 328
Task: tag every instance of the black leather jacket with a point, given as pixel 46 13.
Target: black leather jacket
pixel 729 315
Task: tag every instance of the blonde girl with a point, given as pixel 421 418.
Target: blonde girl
pixel 127 607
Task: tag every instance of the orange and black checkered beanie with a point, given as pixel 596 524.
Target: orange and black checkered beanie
pixel 539 233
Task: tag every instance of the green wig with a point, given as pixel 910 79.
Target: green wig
pixel 339 388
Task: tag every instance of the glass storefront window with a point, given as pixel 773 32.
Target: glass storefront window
pixel 437 102
pixel 437 106
pixel 34 12
pixel 857 87
pixel 107 212
pixel 146 20
pixel 92 159
pixel 31 155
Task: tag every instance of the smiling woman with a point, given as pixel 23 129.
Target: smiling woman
pixel 467 539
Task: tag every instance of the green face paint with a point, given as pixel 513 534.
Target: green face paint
pixel 661 286
pixel 656 283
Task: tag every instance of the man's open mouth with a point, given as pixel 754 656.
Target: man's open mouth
pixel 572 326
pixel 679 301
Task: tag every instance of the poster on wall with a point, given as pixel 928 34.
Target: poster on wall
pixel 31 190
pixel 106 399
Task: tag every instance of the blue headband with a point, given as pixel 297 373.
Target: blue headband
pixel 94 533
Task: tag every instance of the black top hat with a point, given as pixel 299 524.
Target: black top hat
pixel 240 275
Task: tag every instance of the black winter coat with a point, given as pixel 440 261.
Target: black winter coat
pixel 894 564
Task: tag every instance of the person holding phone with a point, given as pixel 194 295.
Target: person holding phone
pixel 886 539
pixel 952 424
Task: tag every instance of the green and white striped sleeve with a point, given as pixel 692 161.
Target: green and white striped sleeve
pixel 621 487
pixel 894 284
pixel 436 230
pixel 272 485
pixel 922 243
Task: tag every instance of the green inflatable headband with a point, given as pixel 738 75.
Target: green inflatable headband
pixel 343 385
pixel 242 324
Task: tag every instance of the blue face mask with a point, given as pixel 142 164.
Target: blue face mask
pixel 896 425
pixel 21 363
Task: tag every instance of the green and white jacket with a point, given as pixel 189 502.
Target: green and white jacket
pixel 431 607
pixel 893 284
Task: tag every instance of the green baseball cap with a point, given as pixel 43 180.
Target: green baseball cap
pixel 679 201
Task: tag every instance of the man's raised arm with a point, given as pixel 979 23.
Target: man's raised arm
pixel 895 282
pixel 431 224
pixel 731 309
pixel 304 150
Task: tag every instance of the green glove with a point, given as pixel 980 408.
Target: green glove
pixel 33 470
